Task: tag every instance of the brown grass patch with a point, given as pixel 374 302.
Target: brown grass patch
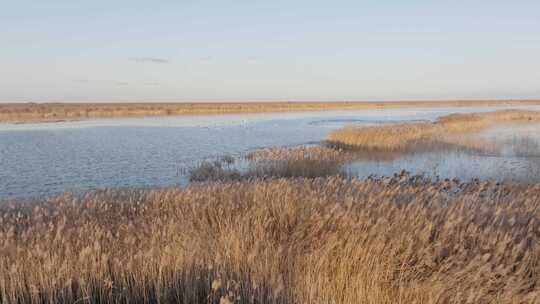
pixel 301 152
pixel 262 168
pixel 330 240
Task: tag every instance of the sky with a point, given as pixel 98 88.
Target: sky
pixel 145 51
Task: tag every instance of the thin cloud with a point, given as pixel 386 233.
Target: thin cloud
pixel 80 80
pixel 149 60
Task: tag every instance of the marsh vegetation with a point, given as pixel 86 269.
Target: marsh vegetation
pixel 325 240
pixel 290 225
pixel 454 129
pixel 260 165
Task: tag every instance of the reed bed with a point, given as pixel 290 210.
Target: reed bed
pixel 454 129
pixel 262 166
pixel 301 152
pixel 329 151
pixel 325 240
pixel 47 112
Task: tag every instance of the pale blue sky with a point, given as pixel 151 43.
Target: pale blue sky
pixel 268 50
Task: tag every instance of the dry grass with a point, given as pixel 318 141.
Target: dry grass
pixel 298 161
pixel 262 168
pixel 454 129
pixel 33 112
pixel 327 240
pixel 301 152
pixel 326 152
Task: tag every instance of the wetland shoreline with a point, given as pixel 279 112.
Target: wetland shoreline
pixel 61 112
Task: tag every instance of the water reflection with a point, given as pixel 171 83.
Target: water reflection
pixel 512 153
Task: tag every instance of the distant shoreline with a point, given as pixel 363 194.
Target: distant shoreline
pixel 60 112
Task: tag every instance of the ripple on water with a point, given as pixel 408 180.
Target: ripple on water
pixel 44 159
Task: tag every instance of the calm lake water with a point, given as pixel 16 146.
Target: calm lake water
pixel 45 159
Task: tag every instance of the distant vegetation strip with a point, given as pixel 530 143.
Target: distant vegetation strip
pixel 50 112
pixel 324 240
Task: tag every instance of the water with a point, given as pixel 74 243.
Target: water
pixel 45 159
pixel 465 165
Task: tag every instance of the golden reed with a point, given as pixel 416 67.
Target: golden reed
pixel 456 129
pixel 323 240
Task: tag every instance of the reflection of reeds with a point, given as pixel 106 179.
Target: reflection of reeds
pixel 523 146
pixel 328 240
pixel 451 129
pixel 29 112
pixel 213 171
